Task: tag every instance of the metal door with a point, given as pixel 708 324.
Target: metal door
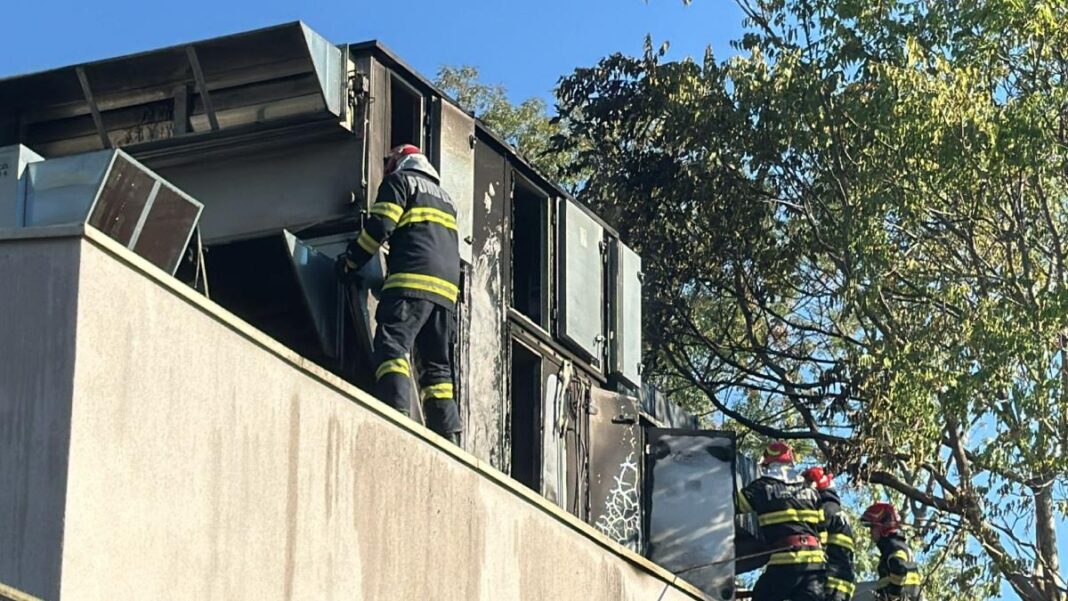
pixel 690 506
pixel 615 467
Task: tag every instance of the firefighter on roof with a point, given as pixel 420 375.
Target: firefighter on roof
pixel 837 537
pixel 418 301
pixel 788 513
pixel 898 578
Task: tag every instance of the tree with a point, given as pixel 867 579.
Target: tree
pixel 526 126
pixel 854 233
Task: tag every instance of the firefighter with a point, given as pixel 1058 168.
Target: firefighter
pixel 837 537
pixel 788 513
pixel 417 305
pixel 898 578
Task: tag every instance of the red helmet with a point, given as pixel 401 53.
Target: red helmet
pixel 777 452
pixel 820 477
pixel 882 516
pixel 396 154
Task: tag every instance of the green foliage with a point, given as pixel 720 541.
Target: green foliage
pixel 526 126
pixel 853 232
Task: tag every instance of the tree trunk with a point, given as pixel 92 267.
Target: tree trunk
pixel 1048 569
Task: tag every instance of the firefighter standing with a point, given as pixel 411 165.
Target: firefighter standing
pixel 898 578
pixel 417 306
pixel 788 513
pixel 837 537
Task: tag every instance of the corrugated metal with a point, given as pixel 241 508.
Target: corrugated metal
pixel 582 281
pixel 615 467
pixel 690 509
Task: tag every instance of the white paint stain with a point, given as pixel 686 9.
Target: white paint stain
pixel 486 355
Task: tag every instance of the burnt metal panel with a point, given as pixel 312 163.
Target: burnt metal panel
pixel 377 128
pixel 582 281
pixel 553 432
pixel 454 156
pixel 626 339
pixel 255 79
pixel 485 414
pixel 615 467
pixel 690 489
pixel 266 190
pixel 166 228
pixel 122 200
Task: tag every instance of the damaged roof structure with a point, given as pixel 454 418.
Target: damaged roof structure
pixel 241 166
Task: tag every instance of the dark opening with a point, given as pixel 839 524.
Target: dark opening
pixel 530 246
pixel 256 280
pixel 406 114
pixel 526 416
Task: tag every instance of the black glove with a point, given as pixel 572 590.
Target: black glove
pixel 346 270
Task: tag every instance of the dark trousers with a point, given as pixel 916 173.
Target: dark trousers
pixel 404 324
pixel 786 583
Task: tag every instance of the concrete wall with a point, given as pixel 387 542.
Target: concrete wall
pixel 208 462
pixel 38 305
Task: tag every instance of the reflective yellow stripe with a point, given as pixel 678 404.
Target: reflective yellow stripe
pixel 393 366
pixel 425 283
pixel 421 214
pixel 900 554
pixel 438 391
pixel 743 503
pixel 910 579
pixel 794 557
pixel 837 584
pixel 838 539
pixel 388 210
pixel 368 243
pixel 807 516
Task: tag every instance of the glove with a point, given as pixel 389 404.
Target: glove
pixel 346 270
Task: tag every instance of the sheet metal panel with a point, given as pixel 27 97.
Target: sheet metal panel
pixel 626 340
pixel 553 447
pixel 320 291
pixel 582 281
pixel 122 201
pixel 13 162
pixel 690 510
pixel 486 412
pixel 62 190
pixel 455 160
pixel 615 467
pixel 167 228
pixel 267 190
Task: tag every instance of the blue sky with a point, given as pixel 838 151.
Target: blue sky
pixel 522 44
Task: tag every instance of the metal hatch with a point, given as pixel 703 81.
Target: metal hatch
pixel 690 488
pixel 626 340
pixel 320 290
pixel 615 466
pixel 115 194
pixel 582 281
pixel 454 157
pixel 282 74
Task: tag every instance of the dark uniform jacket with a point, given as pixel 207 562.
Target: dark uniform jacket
pixel 898 576
pixel 837 537
pixel 419 220
pixel 786 510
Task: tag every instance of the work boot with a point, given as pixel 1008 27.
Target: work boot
pixel 454 438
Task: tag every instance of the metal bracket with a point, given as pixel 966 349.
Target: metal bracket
pixel 97 119
pixel 202 87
